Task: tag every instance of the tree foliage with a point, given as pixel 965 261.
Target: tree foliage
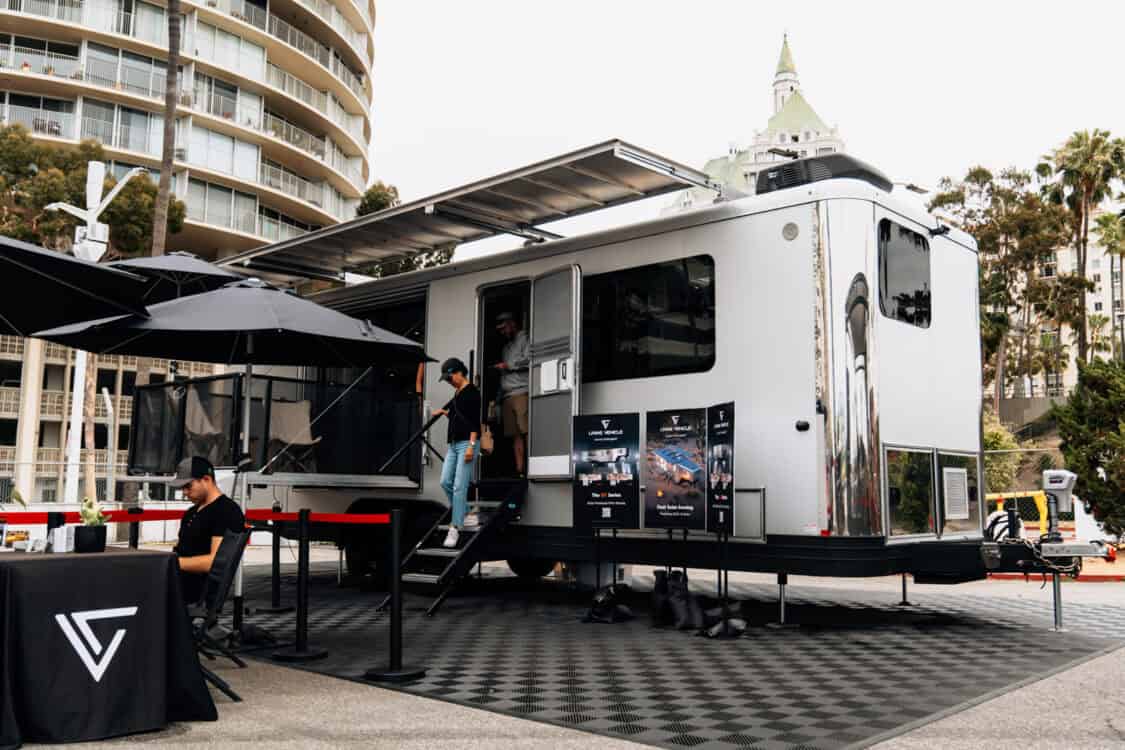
pixel 1092 426
pixel 1017 233
pixel 1000 469
pixel 377 198
pixel 32 176
pixel 1079 175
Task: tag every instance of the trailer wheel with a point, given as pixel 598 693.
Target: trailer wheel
pixel 530 568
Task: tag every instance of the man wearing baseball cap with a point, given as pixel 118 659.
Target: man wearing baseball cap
pixel 201 531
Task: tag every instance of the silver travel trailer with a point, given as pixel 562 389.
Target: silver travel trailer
pixel 837 314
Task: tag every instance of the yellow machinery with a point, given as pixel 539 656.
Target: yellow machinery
pixel 1037 496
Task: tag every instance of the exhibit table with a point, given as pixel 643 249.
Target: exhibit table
pixel 94 646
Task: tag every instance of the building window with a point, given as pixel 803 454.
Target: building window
pixel 1048 267
pixel 1097 278
pixel 1054 383
pixel 825 150
pixel 1095 264
pixel 796 139
pixel 1097 307
pixel 904 274
pixel 781 138
pixel 649 321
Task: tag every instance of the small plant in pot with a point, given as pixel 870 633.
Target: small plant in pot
pixel 90 536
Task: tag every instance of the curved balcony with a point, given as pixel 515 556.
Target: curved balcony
pixel 284 140
pixel 268 29
pixel 121 29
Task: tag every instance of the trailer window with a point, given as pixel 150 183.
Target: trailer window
pixel 959 487
pixel 910 491
pixel 904 274
pixel 651 320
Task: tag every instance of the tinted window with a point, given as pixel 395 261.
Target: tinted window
pixel 910 490
pixel 904 274
pixel 650 320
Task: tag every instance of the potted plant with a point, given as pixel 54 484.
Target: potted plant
pixel 90 536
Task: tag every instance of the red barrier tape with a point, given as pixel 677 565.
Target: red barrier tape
pixel 370 519
pixel 25 518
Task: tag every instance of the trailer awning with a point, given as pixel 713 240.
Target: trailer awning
pixel 516 203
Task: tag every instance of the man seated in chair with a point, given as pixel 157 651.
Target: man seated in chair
pixel 201 531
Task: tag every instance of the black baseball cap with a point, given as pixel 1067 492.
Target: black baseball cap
pixel 195 467
pixel 450 366
pixel 505 317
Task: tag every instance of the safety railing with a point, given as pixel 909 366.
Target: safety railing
pixel 291 184
pixel 52 404
pixel 9 403
pixel 29 60
pixel 142 140
pixel 295 136
pixel 296 88
pixel 294 37
pixel 63 10
pixel 350 79
pixel 11 346
pixel 334 18
pixel 41 121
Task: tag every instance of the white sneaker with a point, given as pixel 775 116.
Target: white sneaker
pixel 472 520
pixel 451 538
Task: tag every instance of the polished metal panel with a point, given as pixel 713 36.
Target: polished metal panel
pixel 846 351
pixel 516 203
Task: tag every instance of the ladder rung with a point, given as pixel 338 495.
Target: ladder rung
pixel 439 551
pixel 419 578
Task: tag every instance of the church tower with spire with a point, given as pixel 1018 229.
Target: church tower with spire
pixel 785 82
pixel 794 130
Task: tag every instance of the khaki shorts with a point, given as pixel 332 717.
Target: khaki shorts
pixel 513 415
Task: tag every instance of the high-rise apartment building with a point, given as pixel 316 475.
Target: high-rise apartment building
pixel 273 129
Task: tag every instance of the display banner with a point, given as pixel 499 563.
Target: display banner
pixel 675 485
pixel 720 468
pixel 606 449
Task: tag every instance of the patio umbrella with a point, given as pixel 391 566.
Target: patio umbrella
pixel 175 275
pixel 44 289
pixel 245 322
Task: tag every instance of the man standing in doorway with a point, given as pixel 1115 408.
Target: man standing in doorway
pixel 513 367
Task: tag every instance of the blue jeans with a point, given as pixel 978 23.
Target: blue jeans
pixel 455 478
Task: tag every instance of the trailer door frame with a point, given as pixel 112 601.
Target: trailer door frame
pixel 554 383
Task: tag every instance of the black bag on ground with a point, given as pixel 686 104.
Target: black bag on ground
pixel 661 604
pixel 685 607
pixel 607 605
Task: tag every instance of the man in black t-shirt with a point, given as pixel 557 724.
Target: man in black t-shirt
pixel 201 531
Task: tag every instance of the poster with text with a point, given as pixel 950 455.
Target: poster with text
pixel 675 480
pixel 720 468
pixel 606 456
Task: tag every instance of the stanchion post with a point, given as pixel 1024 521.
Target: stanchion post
pixel 395 671
pixel 135 528
pixel 276 606
pixel 301 650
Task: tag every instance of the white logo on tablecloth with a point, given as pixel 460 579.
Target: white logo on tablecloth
pixel 605 424
pixel 89 649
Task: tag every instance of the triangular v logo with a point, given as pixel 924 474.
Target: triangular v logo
pixel 88 647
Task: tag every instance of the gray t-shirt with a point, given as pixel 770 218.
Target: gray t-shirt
pixel 517 355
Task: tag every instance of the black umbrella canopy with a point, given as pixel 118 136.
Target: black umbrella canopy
pixel 45 289
pixel 176 275
pixel 244 322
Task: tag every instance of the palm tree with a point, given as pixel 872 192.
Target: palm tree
pixel 1111 236
pixel 1082 170
pixel 167 154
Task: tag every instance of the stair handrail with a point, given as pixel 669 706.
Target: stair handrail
pixel 419 435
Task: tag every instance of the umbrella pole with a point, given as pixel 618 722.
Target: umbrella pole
pixel 239 479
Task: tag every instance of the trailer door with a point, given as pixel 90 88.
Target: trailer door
pixel 556 304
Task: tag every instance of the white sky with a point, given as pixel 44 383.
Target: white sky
pixel 464 90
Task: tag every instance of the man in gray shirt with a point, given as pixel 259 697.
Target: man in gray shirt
pixel 513 367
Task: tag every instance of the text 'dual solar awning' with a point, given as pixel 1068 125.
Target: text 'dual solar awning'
pixel 514 203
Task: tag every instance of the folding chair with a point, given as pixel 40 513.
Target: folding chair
pixel 291 431
pixel 205 615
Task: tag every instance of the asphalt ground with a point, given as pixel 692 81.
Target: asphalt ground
pixel 1078 707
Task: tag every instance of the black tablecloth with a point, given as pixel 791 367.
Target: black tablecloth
pixel 94 646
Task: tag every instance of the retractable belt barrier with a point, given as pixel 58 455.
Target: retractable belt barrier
pixel 258 518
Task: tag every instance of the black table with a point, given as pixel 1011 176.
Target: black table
pixel 94 646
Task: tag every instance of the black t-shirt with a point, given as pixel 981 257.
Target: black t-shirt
pixel 464 414
pixel 197 528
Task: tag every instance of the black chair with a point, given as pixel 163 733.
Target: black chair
pixel 205 615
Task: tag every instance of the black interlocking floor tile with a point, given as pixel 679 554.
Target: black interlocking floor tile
pixel 857 666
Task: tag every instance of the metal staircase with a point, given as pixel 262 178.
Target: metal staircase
pixel 498 503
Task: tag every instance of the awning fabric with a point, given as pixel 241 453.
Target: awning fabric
pixel 516 203
pixel 44 289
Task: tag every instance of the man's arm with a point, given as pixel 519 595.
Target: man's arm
pixel 521 352
pixel 201 563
